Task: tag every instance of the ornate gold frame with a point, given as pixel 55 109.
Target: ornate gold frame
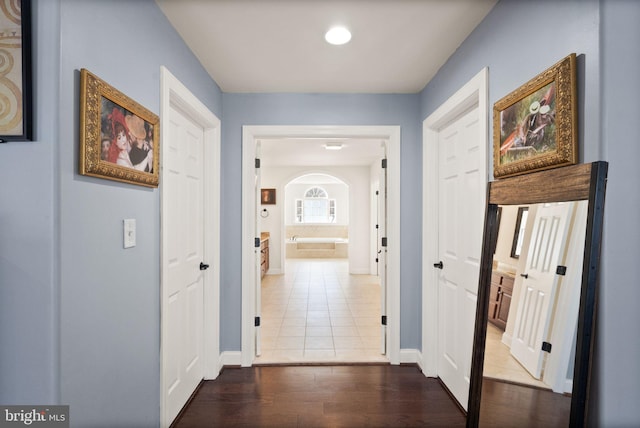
pixel 563 74
pixel 92 92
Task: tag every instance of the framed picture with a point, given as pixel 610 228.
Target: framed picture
pixel 535 126
pixel 118 137
pixel 16 107
pixel 268 196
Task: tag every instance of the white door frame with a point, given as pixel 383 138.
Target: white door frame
pixel 473 93
pixel 250 135
pixel 173 92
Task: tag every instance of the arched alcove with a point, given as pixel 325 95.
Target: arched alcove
pixel 316 216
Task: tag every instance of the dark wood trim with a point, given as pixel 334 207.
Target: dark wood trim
pixel 480 333
pixel 570 183
pixel 588 301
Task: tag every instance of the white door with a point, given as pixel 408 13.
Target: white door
pixel 183 247
pixel 537 296
pixel 461 196
pixel 382 256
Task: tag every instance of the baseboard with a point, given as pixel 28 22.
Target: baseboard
pixel 411 356
pixel 230 358
pixel 568 386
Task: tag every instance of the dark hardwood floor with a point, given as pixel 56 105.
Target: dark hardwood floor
pixel 510 405
pixel 322 396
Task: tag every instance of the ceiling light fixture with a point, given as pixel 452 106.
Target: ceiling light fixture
pixel 333 146
pixel 338 36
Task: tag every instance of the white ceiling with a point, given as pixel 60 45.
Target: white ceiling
pixel 311 152
pixel 267 46
pixel 278 45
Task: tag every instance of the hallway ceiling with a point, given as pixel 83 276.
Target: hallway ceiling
pixel 267 46
pixel 312 153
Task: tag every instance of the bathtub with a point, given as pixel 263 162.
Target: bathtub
pixel 317 247
pixel 321 240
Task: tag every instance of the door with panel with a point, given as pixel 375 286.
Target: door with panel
pixel 538 294
pixel 461 197
pixel 183 249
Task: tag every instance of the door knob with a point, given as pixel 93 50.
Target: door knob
pixel 438 265
pixel 203 266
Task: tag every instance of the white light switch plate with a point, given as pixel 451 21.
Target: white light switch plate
pixel 129 232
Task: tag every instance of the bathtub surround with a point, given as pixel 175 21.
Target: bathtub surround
pixel 317 241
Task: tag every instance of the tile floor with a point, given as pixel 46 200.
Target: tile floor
pixel 318 313
pixel 500 364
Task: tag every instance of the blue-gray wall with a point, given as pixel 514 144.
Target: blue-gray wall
pixel 80 312
pixel 110 300
pixel 29 333
pixel 617 386
pixel 79 316
pixel 519 39
pixel 321 109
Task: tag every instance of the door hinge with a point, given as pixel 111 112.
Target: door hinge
pixel 377 226
pixel 384 242
pixel 384 320
pixel 377 261
pixel 257 163
pixel 561 270
pixel 384 163
pixel 256 321
pixel 546 347
pixel 256 243
pixel 377 192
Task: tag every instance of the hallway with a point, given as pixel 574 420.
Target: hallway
pixel 318 313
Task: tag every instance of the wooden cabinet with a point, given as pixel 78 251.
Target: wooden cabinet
pixel 264 257
pixel 500 298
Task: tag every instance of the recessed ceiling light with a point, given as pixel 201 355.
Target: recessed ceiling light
pixel 338 36
pixel 333 146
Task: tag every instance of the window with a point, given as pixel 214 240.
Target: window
pixel 316 207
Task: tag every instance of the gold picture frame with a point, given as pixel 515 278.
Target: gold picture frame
pixel 119 138
pixel 535 126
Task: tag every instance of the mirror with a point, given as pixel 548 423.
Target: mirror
pixel 535 314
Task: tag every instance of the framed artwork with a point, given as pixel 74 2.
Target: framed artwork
pixel 535 126
pixel 16 107
pixel 119 139
pixel 268 196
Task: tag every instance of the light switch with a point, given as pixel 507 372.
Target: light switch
pixel 129 232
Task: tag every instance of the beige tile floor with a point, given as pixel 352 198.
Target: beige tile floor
pixel 500 364
pixel 318 313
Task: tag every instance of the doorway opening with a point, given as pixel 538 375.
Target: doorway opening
pixel 255 141
pixel 316 310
